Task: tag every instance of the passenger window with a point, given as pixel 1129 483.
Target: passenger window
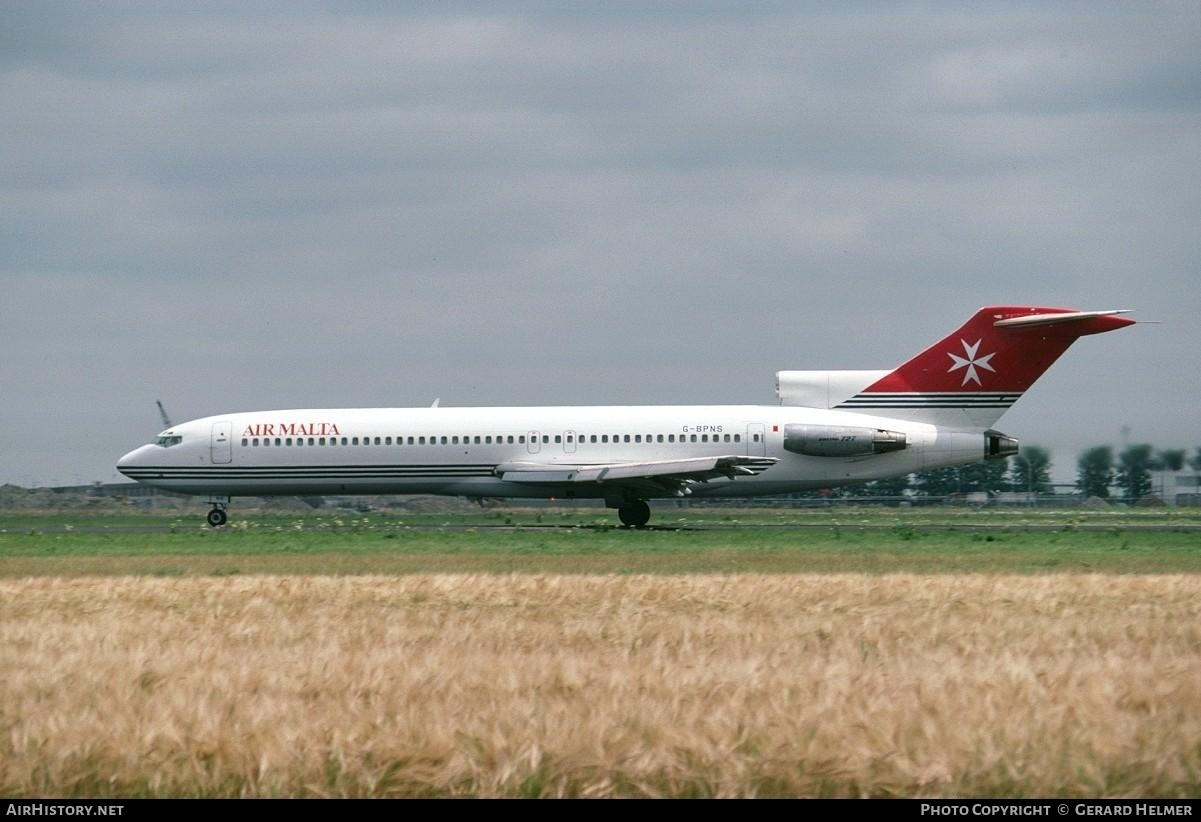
pixel 727 437
pixel 545 439
pixel 559 438
pixel 255 443
pixel 627 437
pixel 738 438
pixel 288 442
pixel 693 438
pixel 756 438
pixel 604 437
pixel 454 440
pixel 510 439
pixel 637 438
pixel 659 438
pixel 245 442
pixel 671 437
pixel 521 439
pixel 592 438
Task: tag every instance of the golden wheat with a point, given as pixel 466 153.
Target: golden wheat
pixel 601 686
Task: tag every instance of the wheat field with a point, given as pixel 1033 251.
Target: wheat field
pixel 559 685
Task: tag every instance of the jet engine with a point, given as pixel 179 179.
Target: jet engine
pixel 841 441
pixel 998 446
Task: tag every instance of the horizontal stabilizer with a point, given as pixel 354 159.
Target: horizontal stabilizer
pixel 822 389
pixel 1056 319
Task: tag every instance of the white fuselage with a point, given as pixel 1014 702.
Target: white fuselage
pixel 458 450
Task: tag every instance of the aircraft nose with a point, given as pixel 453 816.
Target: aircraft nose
pixel 131 460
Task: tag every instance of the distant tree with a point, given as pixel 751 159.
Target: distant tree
pixel 892 487
pixel 986 476
pixel 1134 471
pixel 1195 462
pixel 981 476
pixel 1171 459
pixel 1031 470
pixel 1094 471
pixel 938 482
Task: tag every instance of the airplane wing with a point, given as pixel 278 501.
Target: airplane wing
pixel 673 476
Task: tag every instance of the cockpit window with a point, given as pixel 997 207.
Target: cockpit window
pixel 167 442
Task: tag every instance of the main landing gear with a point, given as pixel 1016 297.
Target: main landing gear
pixel 217 517
pixel 634 513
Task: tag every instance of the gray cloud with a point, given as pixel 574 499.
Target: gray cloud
pixel 245 206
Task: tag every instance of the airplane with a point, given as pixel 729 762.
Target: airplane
pixel 831 428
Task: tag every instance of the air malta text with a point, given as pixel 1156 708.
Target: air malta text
pixel 291 429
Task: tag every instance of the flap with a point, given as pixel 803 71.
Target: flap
pixel 696 468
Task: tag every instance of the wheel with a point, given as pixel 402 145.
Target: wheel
pixel 635 514
pixel 216 518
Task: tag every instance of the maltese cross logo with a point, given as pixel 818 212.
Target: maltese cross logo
pixel 971 363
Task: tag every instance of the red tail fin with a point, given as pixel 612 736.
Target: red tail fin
pixel 982 368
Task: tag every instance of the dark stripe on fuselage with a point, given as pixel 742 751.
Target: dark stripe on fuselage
pixel 916 400
pixel 337 472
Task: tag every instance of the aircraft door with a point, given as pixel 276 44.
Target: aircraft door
pixel 221 447
pixel 569 442
pixel 532 444
pixel 756 440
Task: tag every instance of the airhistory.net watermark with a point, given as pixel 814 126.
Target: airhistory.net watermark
pixel 61 809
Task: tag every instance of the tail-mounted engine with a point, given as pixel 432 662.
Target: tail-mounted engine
pixel 841 441
pixel 998 446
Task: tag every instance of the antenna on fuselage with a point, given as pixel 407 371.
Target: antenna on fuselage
pixel 436 401
pixel 162 412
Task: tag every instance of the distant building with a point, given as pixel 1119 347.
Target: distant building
pixel 1177 487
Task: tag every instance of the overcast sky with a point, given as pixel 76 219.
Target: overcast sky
pixel 247 206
